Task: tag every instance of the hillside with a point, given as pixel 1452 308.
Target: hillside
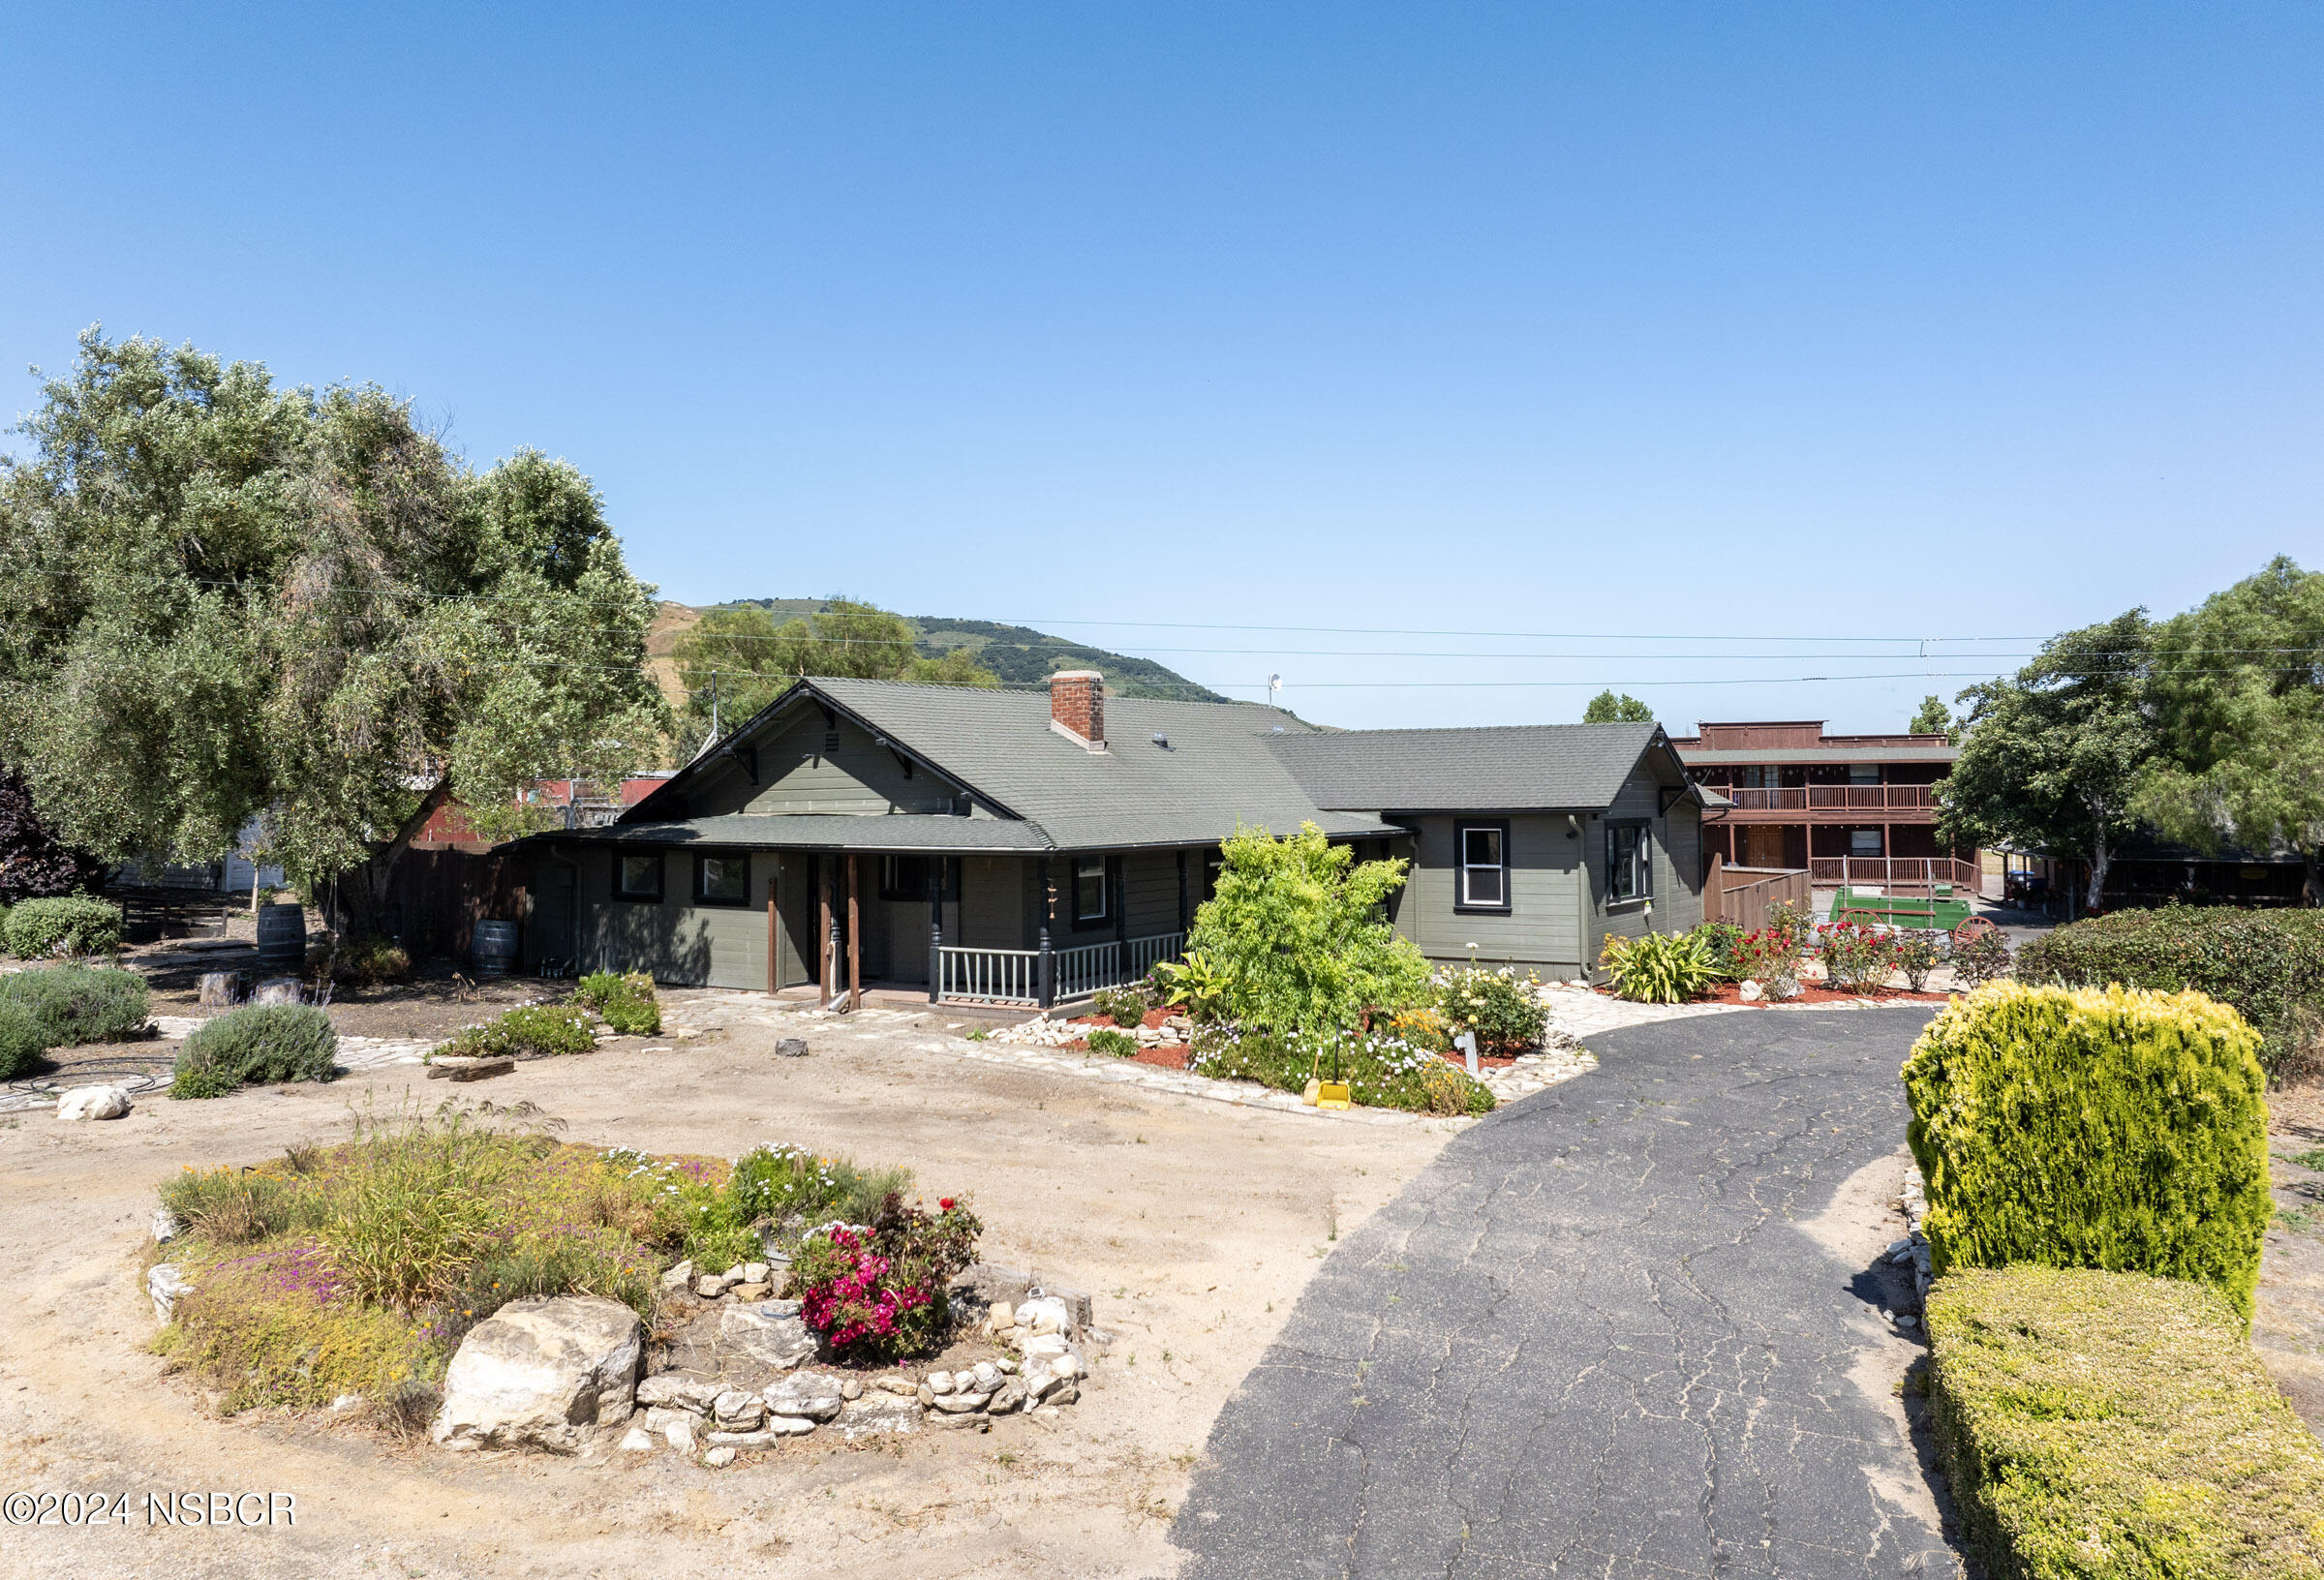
pixel 1018 654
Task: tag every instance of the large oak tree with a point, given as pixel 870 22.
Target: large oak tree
pixel 223 598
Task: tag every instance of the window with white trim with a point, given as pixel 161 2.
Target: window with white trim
pixel 1089 889
pixel 1483 876
pixel 1864 842
pixel 1628 860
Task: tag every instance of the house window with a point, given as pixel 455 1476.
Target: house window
pixel 1484 875
pixel 722 880
pixel 1863 773
pixel 1628 860
pixel 1089 889
pixel 1864 842
pixel 906 878
pixel 637 877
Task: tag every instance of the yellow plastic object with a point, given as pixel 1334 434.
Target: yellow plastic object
pixel 1332 1094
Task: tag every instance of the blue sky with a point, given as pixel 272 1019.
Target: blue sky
pixel 1785 323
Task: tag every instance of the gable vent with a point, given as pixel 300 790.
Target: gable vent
pixel 831 743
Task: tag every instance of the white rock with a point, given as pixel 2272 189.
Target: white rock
pixel 1067 1366
pixel 1750 993
pixel 770 1331
pixel 1001 1316
pixel 778 1428
pixel 680 1434
pixel 988 1377
pixel 661 1419
pixel 1044 1313
pixel 279 991
pixel 809 1395
pixel 1045 1347
pixel 737 1412
pixel 753 1272
pixel 682 1390
pixel 940 1384
pixel 677 1277
pixel 637 1440
pixel 877 1412
pixel 93 1103
pixel 540 1372
pixel 168 1286
pixel 166 1227
pixel 719 1458
pixel 710 1286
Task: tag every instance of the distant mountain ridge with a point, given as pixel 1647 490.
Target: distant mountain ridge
pixel 1021 656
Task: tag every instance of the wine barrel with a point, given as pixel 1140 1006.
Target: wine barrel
pixel 283 937
pixel 493 948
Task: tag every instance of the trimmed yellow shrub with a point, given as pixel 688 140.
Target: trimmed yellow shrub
pixel 2106 1426
pixel 2092 1126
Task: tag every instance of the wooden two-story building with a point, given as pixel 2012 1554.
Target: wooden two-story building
pixel 1854 809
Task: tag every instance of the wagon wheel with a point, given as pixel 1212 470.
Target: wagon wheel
pixel 1970 931
pixel 1861 919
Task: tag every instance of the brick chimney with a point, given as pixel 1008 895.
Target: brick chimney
pixel 1077 706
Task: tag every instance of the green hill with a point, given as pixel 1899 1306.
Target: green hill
pixel 1024 656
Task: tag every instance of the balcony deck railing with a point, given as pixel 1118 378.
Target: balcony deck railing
pixel 1894 874
pixel 1804 798
pixel 1015 976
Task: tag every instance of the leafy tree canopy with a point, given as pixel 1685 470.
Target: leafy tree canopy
pixel 219 598
pixel 1934 719
pixel 2053 754
pixel 1605 708
pixel 1298 932
pixel 740 657
pixel 2237 690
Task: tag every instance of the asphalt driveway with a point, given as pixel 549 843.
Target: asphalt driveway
pixel 1606 1333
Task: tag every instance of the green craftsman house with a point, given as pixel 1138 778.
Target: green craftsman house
pixel 1007 847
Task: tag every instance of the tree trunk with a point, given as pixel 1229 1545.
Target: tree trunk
pixel 362 904
pixel 2099 860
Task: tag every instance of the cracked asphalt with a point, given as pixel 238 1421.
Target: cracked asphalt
pixel 1603 1334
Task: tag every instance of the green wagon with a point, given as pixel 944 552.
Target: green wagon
pixel 1944 911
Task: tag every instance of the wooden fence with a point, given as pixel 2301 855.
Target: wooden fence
pixel 1743 894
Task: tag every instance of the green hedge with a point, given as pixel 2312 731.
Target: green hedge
pixel 260 1043
pixel 69 925
pixel 73 1004
pixel 2269 964
pixel 21 1042
pixel 2109 1425
pixel 2093 1126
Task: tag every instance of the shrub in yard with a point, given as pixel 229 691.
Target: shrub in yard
pixel 1193 984
pixel 2093 1128
pixel 1125 1007
pixel 1766 953
pixel 68 925
pixel 879 1293
pixel 73 1004
pixel 1981 960
pixel 1383 1071
pixel 1660 967
pixel 773 1185
pixel 257 1045
pixel 1719 940
pixel 1918 952
pixel 1422 1028
pixel 529 1031
pixel 1854 957
pixel 21 1042
pixel 1497 1005
pixel 1106 1040
pixel 2106 1424
pixel 371 960
pixel 626 1003
pixel 1299 938
pixel 2269 964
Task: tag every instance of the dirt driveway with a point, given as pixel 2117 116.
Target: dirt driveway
pixel 1196 1224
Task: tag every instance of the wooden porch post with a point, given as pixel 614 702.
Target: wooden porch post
pixel 1045 986
pixel 826 932
pixel 936 929
pixel 774 944
pixel 855 942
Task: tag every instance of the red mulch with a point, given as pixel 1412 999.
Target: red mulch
pixel 1153 1018
pixel 1812 992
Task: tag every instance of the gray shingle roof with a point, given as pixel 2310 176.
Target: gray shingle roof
pixel 903 832
pixel 1512 768
pixel 1217 771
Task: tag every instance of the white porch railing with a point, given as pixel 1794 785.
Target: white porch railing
pixel 1014 976
pixel 990 976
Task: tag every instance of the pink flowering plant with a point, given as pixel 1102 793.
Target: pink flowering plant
pixel 877 1292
